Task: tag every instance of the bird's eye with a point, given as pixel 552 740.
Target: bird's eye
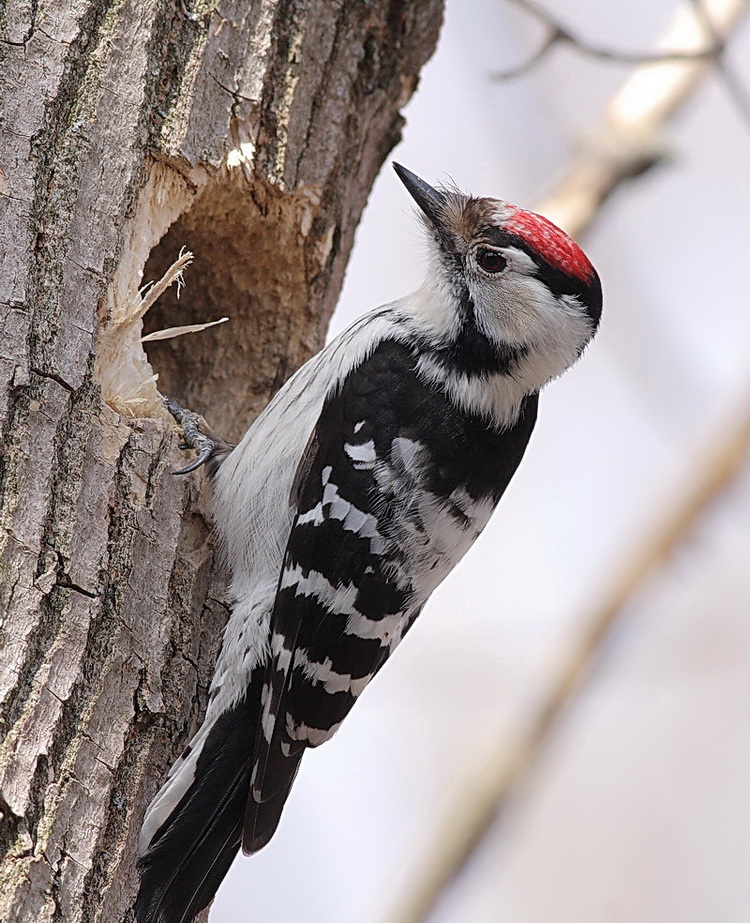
pixel 491 261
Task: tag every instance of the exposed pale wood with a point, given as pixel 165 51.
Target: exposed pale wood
pixel 251 134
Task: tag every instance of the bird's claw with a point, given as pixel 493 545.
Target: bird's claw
pixel 193 437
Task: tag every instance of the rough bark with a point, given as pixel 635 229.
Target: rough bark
pixel 250 133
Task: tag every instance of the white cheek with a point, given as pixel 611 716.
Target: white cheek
pixel 514 309
pixel 519 310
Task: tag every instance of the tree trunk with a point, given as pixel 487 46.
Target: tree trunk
pixel 249 133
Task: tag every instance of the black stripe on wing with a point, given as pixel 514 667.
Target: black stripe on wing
pixel 383 442
pixel 340 577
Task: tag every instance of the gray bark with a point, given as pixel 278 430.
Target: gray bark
pixel 250 133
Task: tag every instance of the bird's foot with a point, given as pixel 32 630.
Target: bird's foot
pixel 194 437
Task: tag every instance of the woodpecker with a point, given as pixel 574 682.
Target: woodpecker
pixel 351 497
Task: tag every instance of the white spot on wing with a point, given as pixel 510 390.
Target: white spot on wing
pixel 339 508
pixel 324 674
pixel 340 601
pixel 314 736
pixel 363 455
pixel 382 629
pixel 283 659
pixel 314 516
pixel 268 718
pixel 336 507
pixel 356 521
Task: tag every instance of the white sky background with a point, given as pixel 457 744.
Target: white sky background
pixel 641 809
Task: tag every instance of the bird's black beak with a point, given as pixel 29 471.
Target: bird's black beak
pixel 428 199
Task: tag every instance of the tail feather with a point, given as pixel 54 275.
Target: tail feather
pixel 262 818
pixel 189 855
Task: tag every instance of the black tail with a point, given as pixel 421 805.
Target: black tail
pixel 262 818
pixel 190 854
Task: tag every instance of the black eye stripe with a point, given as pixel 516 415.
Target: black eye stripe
pixel 491 261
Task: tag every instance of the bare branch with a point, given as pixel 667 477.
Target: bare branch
pixel 736 89
pixel 553 38
pixel 560 34
pixel 628 138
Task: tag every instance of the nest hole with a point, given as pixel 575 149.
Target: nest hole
pixel 247 266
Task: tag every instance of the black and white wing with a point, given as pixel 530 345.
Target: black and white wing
pixel 394 487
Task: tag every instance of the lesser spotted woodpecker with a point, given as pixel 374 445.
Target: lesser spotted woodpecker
pixel 352 496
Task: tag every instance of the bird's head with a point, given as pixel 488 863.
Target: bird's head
pixel 509 289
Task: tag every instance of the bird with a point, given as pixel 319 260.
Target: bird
pixel 351 497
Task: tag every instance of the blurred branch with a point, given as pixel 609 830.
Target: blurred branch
pixel 626 141
pixel 628 137
pixel 560 34
pixel 483 803
pixel 732 84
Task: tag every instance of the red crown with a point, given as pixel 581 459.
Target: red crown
pixel 554 245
